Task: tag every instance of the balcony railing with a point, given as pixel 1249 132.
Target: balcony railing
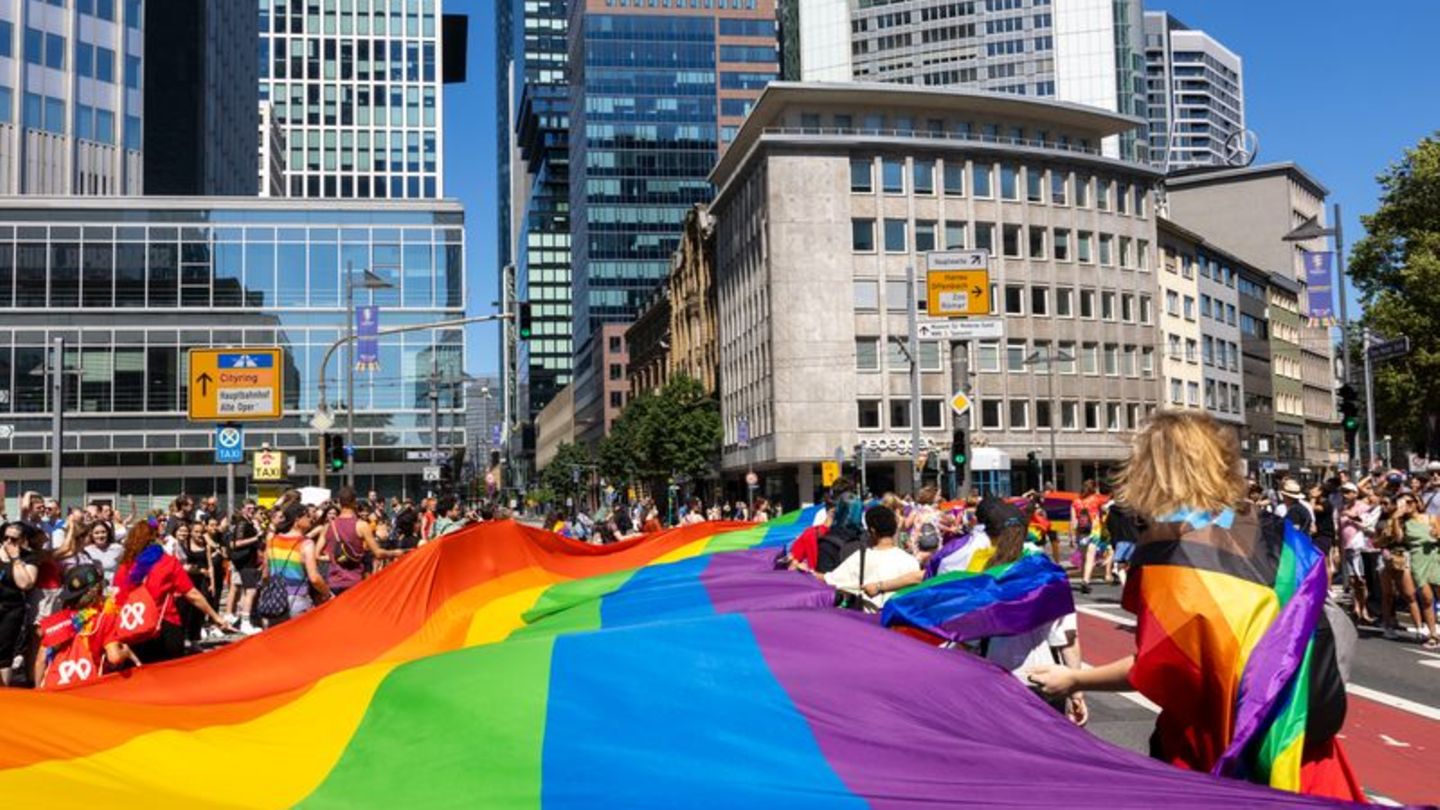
pixel 960 137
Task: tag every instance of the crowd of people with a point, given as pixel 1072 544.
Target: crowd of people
pixel 92 590
pixel 612 523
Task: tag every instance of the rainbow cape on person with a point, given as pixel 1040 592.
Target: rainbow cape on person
pixel 509 667
pixel 1001 601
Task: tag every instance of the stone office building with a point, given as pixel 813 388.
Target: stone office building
pixel 828 193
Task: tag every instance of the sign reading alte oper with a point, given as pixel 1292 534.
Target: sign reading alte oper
pixel 232 385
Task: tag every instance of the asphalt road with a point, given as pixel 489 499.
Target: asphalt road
pixel 1392 724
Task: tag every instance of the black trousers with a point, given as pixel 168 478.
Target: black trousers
pixel 167 646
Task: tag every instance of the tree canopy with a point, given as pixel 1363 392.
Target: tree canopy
pixel 1396 268
pixel 673 431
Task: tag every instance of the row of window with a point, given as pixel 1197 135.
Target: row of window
pixel 1062 188
pixel 1183 306
pixel 1091 359
pixel 1185 265
pixel 419 18
pixel 1016 241
pixel 1219 396
pixel 1012 299
pixel 1012 414
pixel 1216 353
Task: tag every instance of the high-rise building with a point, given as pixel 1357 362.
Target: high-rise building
pixel 71 99
pixel 1195 89
pixel 201 117
pixel 271 169
pixel 357 88
pixel 662 92
pixel 1086 51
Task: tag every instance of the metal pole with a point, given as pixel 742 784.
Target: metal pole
pixel 350 375
pixel 57 417
pixel 321 462
pixel 916 477
pixel 960 372
pixel 1054 415
pixel 230 488
pixel 864 484
pixel 1345 375
pixel 434 410
pixel 1369 400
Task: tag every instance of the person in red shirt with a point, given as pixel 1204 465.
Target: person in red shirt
pixel 146 563
pixel 84 621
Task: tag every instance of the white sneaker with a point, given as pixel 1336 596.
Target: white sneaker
pixel 1418 634
pixel 247 628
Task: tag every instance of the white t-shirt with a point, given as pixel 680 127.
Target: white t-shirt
pixel 880 564
pixel 1024 651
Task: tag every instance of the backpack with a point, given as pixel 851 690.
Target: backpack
pixel 272 601
pixel 836 545
pixel 139 617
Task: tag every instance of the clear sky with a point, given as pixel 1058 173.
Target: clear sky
pixel 1340 87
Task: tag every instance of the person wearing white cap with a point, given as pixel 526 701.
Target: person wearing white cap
pixel 1353 518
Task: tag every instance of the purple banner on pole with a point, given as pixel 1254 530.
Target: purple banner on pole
pixel 1318 280
pixel 367 338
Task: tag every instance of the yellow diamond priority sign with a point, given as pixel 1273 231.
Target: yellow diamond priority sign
pixel 959 403
pixel 233 385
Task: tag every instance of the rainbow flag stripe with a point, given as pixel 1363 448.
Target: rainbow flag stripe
pixel 965 605
pixel 508 667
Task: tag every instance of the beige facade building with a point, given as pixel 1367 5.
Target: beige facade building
pixel 1200 326
pixel 693 322
pixel 1247 212
pixel 554 426
pixel 831 190
pixel 648 346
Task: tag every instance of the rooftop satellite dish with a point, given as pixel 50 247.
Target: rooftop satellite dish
pixel 1242 147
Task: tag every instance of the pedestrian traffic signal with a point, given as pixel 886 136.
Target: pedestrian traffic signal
pixel 522 320
pixel 335 451
pixel 1349 410
pixel 959 449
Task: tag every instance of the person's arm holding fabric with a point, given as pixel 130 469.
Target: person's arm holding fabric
pixel 312 572
pixel 367 534
pixel 184 586
pixel 895 583
pixel 1061 681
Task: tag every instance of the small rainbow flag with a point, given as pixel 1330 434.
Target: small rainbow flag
pixel 964 605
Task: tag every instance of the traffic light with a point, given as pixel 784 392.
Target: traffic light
pixel 1349 411
pixel 335 451
pixel 522 320
pixel 959 450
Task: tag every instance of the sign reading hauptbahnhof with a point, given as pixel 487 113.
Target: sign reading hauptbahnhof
pixel 232 385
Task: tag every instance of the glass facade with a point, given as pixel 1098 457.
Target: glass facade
pixel 131 291
pixel 356 87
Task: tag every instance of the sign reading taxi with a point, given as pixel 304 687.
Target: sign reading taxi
pixel 231 385
pixel 957 283
pixel 268 465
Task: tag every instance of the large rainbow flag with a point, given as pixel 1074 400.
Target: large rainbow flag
pixel 507 667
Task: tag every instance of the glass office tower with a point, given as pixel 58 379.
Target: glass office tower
pixel 131 288
pixel 356 86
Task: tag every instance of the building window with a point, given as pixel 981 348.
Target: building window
pixel 1062 245
pixel 1102 194
pixel 1092 416
pixel 1019 414
pixel 1177 391
pixel 985 236
pixel 1125 257
pixel 1172 303
pixel 954 234
pixel 899 413
pixel 1039 301
pixel 1112 360
pixel 1064 300
pixel 1142 254
pixel 980 180
pixel 1015 355
pixel 869 411
pixel 923 174
pixel 1010 237
pixel 862 235
pixel 897 296
pixel 929 355
pixel 1042 414
pixel 1145 309
pixel 1014 299
pixel 990 414
pixel 1192 393
pixel 1037 242
pixel 1069 415
pixel 1090 358
pixel 1034 185
pixel 1082 191
pixel 862 175
pixel 1189 308
pixel 893 175
pixel 1009 189
pixel 867 295
pixel 617 399
pixel 1106 255
pixel 1066 357
pixel 895 236
pixel 924 235
pixel 1122 198
pixel 1127 307
pixel 954 178
pixel 1147 362
pixel 867 354
pixel 1082 246
pixel 1112 416
pixel 988 355
pixel 1087 303
pixel 1058 193
pixel 1107 306
pixel 932 414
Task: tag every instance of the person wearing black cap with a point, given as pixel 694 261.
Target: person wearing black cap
pixel 78 642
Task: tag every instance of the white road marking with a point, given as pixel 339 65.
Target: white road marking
pixel 1392 742
pixel 1384 698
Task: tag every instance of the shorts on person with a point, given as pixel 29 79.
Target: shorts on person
pixel 1425 564
pixel 1355 563
pixel 1123 551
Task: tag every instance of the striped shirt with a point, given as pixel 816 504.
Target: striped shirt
pixel 285 558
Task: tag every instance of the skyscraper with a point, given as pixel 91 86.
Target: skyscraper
pixel 73 111
pixel 1086 51
pixel 663 90
pixel 357 89
pixel 1195 92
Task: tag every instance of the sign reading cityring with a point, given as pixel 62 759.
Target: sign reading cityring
pixel 957 283
pixel 233 385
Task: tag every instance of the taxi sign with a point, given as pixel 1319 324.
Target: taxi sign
pixel 231 385
pixel 829 472
pixel 269 465
pixel 957 283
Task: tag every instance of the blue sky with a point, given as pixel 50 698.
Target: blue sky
pixel 1340 87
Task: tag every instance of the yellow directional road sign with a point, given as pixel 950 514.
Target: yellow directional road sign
pixel 232 385
pixel 957 283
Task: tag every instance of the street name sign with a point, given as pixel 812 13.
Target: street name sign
pixel 1390 349
pixel 430 473
pixel 961 330
pixel 435 457
pixel 957 283
pixel 229 385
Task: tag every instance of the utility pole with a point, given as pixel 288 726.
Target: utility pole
pixel 960 382
pixel 1369 400
pixel 57 417
pixel 916 477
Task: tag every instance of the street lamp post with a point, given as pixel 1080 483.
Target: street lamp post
pixel 369 281
pixel 54 365
pixel 1310 229
pixel 1035 358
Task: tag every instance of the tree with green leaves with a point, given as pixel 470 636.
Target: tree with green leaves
pixel 1396 268
pixel 674 431
pixel 558 476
